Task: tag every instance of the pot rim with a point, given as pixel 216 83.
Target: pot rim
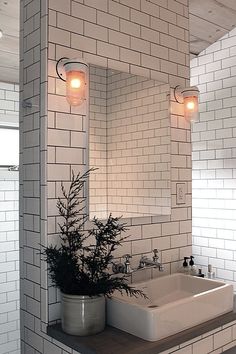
pixel 82 297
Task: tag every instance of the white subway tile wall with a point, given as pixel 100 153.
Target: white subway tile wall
pixel 214 147
pixel 9 99
pixel 33 143
pixel 98 142
pixel 138 146
pixel 9 263
pixel 63 159
pixel 214 342
pixel 129 141
pixel 56 28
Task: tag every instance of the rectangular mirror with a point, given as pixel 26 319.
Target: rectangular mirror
pixel 129 143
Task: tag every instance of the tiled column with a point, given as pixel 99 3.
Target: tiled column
pixel 142 38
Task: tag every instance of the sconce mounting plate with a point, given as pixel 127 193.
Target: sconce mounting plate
pixel 64 64
pixel 178 94
pixel 60 68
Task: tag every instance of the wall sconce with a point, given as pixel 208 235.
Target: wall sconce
pixel 189 97
pixel 74 72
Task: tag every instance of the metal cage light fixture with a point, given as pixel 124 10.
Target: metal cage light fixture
pixel 189 97
pixel 74 72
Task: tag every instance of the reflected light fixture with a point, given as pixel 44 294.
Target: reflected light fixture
pixel 189 97
pixel 74 72
pixel 1 33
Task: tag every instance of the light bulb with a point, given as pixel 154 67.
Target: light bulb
pixel 190 105
pixel 191 109
pixel 75 83
pixel 1 33
pixel 75 87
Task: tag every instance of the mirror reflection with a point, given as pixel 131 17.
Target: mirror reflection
pixel 129 143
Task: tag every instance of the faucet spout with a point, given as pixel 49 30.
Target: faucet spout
pixel 145 262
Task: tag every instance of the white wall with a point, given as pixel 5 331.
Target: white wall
pixel 138 148
pixel 98 142
pixel 133 39
pixel 9 263
pixel 148 38
pixel 214 158
pixel 129 141
pixel 9 99
pixel 9 233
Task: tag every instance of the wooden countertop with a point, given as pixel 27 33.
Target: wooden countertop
pixel 114 341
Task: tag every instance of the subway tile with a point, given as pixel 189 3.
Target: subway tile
pixel 140 17
pixel 130 28
pixel 86 13
pixel 150 231
pixel 120 39
pixel 95 31
pixel 141 246
pixel 59 36
pixel 101 5
pixel 108 20
pixel 119 10
pixel 60 5
pixel 69 155
pixel 69 23
pixel 58 137
pixel 222 338
pixel 106 50
pixel 83 43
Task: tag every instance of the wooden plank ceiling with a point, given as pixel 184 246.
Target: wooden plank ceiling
pixel 208 20
pixel 9 43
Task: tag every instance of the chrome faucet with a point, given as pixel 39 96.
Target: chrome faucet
pixel 123 267
pixel 127 265
pixel 144 263
pixel 154 262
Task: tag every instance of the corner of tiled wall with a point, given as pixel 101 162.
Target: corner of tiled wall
pixel 213 141
pixel 146 38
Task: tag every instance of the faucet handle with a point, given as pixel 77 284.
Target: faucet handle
pixel 142 261
pixel 155 256
pixel 127 257
pixel 127 266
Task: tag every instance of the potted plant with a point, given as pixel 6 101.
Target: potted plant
pixel 80 265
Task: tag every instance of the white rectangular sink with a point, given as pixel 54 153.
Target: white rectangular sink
pixel 175 302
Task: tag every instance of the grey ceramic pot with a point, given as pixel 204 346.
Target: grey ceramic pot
pixel 82 315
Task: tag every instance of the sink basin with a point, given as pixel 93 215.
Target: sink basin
pixel 175 302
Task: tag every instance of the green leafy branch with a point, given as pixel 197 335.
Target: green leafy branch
pixel 77 267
